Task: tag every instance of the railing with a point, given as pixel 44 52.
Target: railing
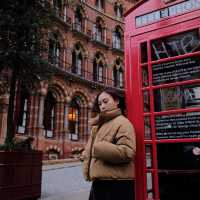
pixel 55 61
pixel 62 17
pixel 96 37
pixel 57 12
pixel 117 45
pixel 118 84
pixel 84 75
pixel 78 27
pixel 100 39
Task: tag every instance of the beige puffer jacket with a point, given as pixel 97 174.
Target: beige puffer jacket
pixel 111 148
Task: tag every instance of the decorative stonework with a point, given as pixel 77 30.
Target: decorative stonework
pixel 68 99
pixel 43 88
pixel 4 99
pixel 3 108
pixel 90 105
pixel 4 86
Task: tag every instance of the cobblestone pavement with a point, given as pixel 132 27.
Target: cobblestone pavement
pixel 64 182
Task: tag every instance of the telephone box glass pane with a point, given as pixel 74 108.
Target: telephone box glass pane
pixel 180 44
pixel 146 100
pixel 147 128
pixel 145 76
pixel 178 156
pixel 150 192
pixel 177 126
pixel 144 55
pixel 148 149
pixel 185 96
pixel 179 170
pixel 179 70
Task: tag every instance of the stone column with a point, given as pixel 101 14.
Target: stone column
pixel 35 122
pixel 83 123
pixel 65 118
pixel 42 92
pixel 41 112
pixel 66 122
pixel 4 100
pixel 32 116
pixel 40 126
pixel 65 136
pixel 59 119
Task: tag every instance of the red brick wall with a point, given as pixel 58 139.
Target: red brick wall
pixel 67 86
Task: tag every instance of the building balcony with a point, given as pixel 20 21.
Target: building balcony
pixel 78 30
pixel 62 18
pixel 117 47
pixel 100 40
pixel 81 75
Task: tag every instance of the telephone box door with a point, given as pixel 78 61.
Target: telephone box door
pixel 163 97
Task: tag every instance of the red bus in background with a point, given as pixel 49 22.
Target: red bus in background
pixel 162 57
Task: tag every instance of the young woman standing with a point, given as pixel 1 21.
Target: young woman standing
pixel 110 151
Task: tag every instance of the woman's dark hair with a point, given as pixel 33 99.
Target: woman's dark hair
pixel 115 95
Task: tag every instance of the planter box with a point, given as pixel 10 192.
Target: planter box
pixel 20 175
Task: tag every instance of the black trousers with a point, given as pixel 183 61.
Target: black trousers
pixel 112 190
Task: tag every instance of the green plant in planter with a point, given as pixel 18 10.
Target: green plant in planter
pixel 18 145
pixel 23 25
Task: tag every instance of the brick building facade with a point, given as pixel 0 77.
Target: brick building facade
pixel 85 48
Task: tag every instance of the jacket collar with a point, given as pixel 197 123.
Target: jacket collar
pixel 105 117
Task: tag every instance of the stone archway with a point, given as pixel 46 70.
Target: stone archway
pixel 60 95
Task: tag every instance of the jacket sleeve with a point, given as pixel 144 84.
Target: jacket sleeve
pixel 122 150
pixel 86 154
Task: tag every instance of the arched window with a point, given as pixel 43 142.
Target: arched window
pixel 74 119
pixel 118 8
pixel 77 60
pixel 98 68
pixel 57 8
pixel 23 112
pixel 100 4
pixel 121 78
pixel 98 31
pixel 79 64
pixel 79 20
pixel 49 115
pixel 100 71
pixel 118 74
pixel 118 38
pixel 54 50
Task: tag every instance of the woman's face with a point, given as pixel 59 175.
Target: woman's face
pixel 106 102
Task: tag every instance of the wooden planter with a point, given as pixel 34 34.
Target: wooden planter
pixel 20 175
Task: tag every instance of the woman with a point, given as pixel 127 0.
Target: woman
pixel 109 153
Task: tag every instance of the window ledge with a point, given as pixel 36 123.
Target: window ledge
pixel 117 50
pixel 101 43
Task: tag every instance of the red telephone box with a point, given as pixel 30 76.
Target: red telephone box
pixel 162 56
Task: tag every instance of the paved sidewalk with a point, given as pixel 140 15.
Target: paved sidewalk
pixel 61 165
pixel 60 161
pixel 64 181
